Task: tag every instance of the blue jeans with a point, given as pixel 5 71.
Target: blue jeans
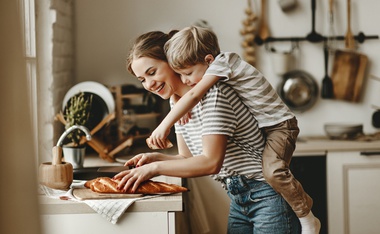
pixel 257 208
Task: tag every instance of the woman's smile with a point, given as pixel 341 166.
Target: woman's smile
pixel 156 76
pixel 161 87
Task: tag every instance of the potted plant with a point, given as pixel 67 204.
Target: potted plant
pixel 77 112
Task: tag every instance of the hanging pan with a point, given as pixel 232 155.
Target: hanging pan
pixel 298 90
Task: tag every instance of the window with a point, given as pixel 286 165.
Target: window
pixel 27 10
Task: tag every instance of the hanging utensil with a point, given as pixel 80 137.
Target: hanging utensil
pixel 263 31
pixel 298 90
pixel 349 39
pixel 313 36
pixel 348 74
pixel 349 67
pixel 331 42
pixel 327 91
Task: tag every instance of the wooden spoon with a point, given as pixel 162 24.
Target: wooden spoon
pixel 349 39
pixel 263 26
pixel 331 43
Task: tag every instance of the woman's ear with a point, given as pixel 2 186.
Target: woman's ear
pixel 209 59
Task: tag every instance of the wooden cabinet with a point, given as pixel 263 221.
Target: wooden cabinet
pixel 353 190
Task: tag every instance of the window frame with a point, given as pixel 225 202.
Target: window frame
pixel 28 19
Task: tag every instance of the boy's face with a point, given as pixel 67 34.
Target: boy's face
pixel 193 74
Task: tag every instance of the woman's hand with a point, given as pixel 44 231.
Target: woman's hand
pixel 141 159
pixel 134 177
pixel 185 119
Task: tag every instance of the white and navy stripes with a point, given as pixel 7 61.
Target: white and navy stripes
pixel 222 112
pixel 252 87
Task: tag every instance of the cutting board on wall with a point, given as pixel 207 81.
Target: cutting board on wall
pixel 348 74
pixel 86 194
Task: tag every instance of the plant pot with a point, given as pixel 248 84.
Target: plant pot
pixel 74 155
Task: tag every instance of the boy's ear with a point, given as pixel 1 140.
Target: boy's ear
pixel 209 58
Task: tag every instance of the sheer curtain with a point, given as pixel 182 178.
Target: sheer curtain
pixel 18 193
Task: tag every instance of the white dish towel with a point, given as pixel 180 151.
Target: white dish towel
pixel 111 209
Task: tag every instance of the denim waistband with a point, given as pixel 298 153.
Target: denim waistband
pixel 240 184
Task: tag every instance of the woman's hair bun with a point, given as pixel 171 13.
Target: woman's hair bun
pixel 172 32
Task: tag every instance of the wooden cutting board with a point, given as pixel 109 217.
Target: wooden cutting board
pixel 348 74
pixel 86 194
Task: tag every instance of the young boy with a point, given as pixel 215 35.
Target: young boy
pixel 194 54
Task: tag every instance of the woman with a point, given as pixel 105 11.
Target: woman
pixel 222 139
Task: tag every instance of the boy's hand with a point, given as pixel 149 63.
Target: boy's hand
pixel 168 144
pixel 185 119
pixel 158 139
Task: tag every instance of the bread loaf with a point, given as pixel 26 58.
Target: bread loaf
pixel 108 185
pixel 168 145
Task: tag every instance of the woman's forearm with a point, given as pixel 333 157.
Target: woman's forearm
pixel 186 167
pixel 166 157
pixel 208 163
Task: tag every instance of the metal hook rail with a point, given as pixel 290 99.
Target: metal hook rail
pixel 361 37
pixel 313 36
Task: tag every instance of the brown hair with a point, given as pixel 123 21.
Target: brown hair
pixel 190 46
pixel 150 45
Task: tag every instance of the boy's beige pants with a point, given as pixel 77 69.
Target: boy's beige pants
pixel 278 151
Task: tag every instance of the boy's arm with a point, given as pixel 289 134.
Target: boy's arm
pixel 184 105
pixel 189 100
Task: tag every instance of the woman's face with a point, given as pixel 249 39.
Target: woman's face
pixel 156 76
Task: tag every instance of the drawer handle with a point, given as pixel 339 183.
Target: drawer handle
pixel 373 153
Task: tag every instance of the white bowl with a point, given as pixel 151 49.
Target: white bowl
pixel 343 131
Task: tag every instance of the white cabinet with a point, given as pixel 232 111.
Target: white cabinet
pixel 146 216
pixel 130 222
pixel 353 192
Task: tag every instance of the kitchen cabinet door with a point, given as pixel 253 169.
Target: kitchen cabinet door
pixel 353 190
pixel 130 222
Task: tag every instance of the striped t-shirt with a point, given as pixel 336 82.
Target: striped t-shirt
pixel 253 88
pixel 222 112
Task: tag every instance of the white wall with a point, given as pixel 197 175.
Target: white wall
pixel 55 68
pixel 105 29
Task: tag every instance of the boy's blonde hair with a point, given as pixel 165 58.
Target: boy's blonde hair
pixel 190 46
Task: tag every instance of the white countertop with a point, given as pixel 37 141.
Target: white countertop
pixel 306 146
pixel 321 145
pixel 165 203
